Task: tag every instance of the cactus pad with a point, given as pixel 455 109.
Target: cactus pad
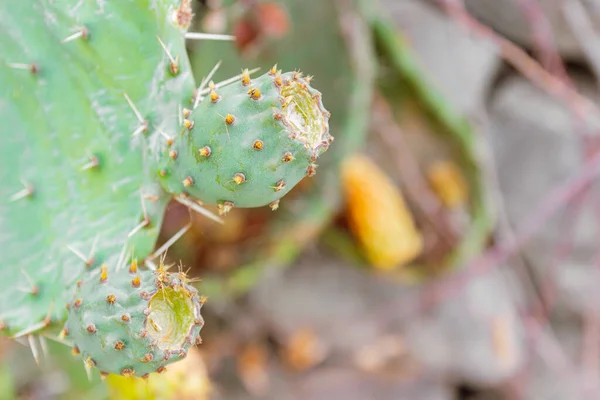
pixel 133 321
pixel 250 142
pixel 75 165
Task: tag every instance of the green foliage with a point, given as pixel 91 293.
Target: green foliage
pixel 134 322
pixel 251 142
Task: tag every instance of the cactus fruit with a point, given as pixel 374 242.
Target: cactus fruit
pixel 132 321
pixel 251 142
pixel 92 96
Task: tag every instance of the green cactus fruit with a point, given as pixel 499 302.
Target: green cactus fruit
pixel 250 142
pixel 134 322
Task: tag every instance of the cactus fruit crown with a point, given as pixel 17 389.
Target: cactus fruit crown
pixel 102 127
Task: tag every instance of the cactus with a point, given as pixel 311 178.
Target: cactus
pixel 259 138
pixel 94 98
pixel 134 322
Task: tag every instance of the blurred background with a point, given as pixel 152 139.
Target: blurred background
pixel 447 247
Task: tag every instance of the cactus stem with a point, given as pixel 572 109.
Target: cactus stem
pixel 81 33
pixel 225 207
pixel 174 63
pixel 171 241
pixel 34 349
pixel 33 68
pixel 207 36
pixel 258 145
pixel 274 205
pixel 197 208
pixel 92 163
pixel 27 191
pixel 203 84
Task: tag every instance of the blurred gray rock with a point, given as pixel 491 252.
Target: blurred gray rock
pixel 460 65
pixel 476 335
pixel 536 147
pixel 508 17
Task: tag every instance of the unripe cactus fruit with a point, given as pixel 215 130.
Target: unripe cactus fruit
pixel 134 322
pixel 251 142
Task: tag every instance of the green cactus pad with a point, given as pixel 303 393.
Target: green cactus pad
pixel 250 143
pixel 75 180
pixel 134 322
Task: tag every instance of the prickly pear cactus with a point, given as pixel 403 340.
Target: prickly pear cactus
pixel 79 118
pixel 93 95
pixel 258 139
pixel 133 322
